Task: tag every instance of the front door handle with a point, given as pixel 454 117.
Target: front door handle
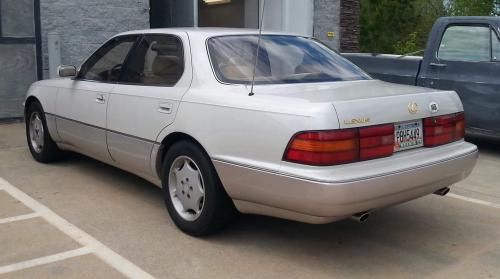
pixel 100 99
pixel 438 65
pixel 165 108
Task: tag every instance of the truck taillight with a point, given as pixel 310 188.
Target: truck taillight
pixel 325 148
pixel 444 129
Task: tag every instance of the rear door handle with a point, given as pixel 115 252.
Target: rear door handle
pixel 165 108
pixel 438 65
pixel 100 99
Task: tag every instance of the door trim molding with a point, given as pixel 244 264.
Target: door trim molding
pixel 101 128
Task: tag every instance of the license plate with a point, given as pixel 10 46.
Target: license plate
pixel 408 135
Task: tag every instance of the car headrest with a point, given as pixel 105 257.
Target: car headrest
pixel 236 72
pixel 166 65
pixel 164 48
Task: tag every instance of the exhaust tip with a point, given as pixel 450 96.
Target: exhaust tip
pixel 442 191
pixel 360 217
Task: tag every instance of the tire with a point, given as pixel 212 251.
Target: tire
pixel 42 147
pixel 194 212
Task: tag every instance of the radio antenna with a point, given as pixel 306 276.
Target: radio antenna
pixel 258 47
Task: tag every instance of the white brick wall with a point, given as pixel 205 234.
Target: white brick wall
pixel 85 25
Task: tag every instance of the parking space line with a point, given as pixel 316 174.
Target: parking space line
pixel 19 218
pixel 45 260
pixel 107 255
pixel 473 200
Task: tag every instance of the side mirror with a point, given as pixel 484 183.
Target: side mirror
pixel 66 71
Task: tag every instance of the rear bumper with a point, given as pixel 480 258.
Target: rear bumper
pixel 290 196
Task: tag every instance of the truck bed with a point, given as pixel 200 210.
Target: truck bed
pixel 387 67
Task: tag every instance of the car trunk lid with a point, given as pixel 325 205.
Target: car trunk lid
pixel 371 102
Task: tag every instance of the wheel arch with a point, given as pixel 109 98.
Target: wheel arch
pixel 30 100
pixel 170 140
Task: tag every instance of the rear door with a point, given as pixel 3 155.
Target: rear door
pixel 81 102
pixel 468 61
pixel 146 99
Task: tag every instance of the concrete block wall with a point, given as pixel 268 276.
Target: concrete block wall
pixel 84 25
pixel 327 19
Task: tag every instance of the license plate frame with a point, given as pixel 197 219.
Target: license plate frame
pixel 408 135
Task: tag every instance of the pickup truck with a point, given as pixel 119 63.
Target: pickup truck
pixel 462 54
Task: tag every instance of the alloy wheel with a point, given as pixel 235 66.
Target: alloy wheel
pixel 186 188
pixel 36 132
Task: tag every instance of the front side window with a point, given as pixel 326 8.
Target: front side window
pixel 465 43
pixel 107 63
pixel 158 60
pixel 281 59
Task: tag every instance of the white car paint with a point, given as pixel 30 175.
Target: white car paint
pixel 246 136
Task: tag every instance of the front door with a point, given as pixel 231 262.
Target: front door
pixel 81 103
pixel 146 99
pixel 468 61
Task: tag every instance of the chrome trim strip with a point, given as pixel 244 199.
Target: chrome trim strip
pixel 289 175
pixel 101 128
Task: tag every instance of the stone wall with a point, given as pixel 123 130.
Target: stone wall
pixel 349 25
pixel 84 25
pixel 327 19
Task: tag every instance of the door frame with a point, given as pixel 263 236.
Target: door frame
pixel 36 40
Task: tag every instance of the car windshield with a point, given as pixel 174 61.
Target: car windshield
pixel 281 59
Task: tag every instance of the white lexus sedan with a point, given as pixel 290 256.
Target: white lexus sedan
pixel 317 140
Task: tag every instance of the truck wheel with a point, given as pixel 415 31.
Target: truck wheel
pixel 40 144
pixel 194 196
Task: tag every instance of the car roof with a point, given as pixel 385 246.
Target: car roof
pixel 206 31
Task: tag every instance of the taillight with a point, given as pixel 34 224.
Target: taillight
pixel 376 142
pixel 460 126
pixel 325 148
pixel 444 129
pixel 322 148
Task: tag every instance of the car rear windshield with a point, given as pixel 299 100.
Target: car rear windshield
pixel 281 59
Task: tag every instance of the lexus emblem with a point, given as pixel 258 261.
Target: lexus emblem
pixel 433 107
pixel 413 107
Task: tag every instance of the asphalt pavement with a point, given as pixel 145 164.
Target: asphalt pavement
pixel 80 218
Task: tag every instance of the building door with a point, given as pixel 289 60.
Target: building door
pixel 160 13
pixel 18 54
pixel 172 13
pixel 280 15
pixel 234 13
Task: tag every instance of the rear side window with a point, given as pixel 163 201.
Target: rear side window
pixel 158 60
pixel 465 43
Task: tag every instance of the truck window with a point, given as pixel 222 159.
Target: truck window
pixel 465 43
pixel 495 45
